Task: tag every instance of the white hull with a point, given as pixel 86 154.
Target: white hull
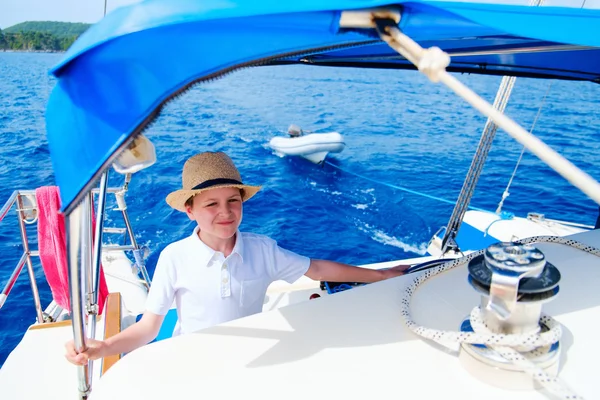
pixel 479 229
pixel 358 341
pixel 314 147
pixel 315 337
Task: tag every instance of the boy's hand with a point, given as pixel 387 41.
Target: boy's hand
pixel 95 350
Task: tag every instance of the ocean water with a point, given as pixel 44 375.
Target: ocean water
pixel 399 128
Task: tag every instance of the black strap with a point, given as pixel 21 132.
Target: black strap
pixel 213 182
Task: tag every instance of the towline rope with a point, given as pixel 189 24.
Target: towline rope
pixel 404 189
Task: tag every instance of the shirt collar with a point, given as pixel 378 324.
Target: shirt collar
pixel 206 253
pixel 239 245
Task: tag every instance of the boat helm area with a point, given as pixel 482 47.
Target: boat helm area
pixel 507 341
pixel 507 332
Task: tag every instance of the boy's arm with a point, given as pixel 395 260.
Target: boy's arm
pixel 324 270
pixel 135 336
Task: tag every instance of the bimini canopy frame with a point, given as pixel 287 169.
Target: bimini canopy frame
pixel 115 79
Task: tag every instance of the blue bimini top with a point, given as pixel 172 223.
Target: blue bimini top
pixel 116 78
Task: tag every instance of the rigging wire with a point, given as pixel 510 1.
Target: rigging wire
pixel 537 116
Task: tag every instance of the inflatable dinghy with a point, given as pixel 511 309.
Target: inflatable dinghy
pixel 314 146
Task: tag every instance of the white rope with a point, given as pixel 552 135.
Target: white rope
pixel 432 62
pixel 505 344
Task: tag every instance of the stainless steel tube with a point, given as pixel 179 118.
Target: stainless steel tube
pixel 75 260
pixel 7 206
pixel 32 282
pixel 13 278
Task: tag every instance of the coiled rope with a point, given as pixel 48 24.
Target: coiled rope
pixel 506 345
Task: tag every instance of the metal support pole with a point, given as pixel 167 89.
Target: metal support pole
pixel 87 250
pixel 139 261
pixel 75 223
pixel 12 280
pixel 8 205
pixel 32 282
pixel 137 253
pixel 97 256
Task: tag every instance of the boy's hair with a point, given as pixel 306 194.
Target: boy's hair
pixel 190 202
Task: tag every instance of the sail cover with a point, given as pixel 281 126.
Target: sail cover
pixel 114 80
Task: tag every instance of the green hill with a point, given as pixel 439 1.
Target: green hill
pixel 58 29
pixel 41 36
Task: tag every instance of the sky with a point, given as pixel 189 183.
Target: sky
pixel 15 11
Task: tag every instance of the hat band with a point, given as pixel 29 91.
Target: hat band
pixel 213 182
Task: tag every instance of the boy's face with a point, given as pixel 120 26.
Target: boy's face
pixel 218 212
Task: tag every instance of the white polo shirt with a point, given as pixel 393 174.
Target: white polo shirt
pixel 210 289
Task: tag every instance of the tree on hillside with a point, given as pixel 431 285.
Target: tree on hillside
pixel 2 41
pixel 59 29
pixel 37 41
pixel 41 36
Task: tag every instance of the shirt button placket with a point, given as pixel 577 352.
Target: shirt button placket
pixel 225 281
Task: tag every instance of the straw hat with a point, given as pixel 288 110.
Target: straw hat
pixel 207 171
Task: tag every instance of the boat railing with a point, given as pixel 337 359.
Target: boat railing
pixel 537 217
pixel 26 209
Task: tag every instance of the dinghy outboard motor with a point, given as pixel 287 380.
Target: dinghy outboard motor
pixel 514 281
pixel 294 130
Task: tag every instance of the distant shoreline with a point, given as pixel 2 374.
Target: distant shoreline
pixel 31 51
pixel 41 36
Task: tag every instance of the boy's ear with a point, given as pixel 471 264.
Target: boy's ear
pixel 188 211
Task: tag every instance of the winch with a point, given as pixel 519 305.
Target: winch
pixel 514 281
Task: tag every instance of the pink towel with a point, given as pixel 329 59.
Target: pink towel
pixel 52 242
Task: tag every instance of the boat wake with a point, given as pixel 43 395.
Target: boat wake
pixel 382 237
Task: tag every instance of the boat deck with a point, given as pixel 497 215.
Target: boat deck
pixel 355 343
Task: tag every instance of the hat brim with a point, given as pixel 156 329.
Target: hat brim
pixel 178 198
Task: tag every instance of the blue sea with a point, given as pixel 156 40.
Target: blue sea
pixel 399 128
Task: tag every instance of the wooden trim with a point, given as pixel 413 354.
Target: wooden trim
pixel 58 324
pixel 47 325
pixel 112 326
